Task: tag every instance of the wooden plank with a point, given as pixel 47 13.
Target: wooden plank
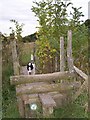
pixel 83 86
pixel 23 79
pixel 82 74
pixel 69 52
pixel 47 104
pixel 47 100
pixel 43 88
pixel 62 60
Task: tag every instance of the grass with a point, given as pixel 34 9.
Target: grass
pixel 24 58
pixel 9 107
pixel 12 110
pixel 71 111
pixel 75 109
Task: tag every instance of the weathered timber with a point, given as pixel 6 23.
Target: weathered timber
pixel 47 100
pixel 29 99
pixel 32 89
pixel 22 79
pixel 83 86
pixel 56 63
pixel 79 72
pixel 47 104
pixel 69 52
pixel 57 97
pixel 21 106
pixel 16 65
pixel 60 99
pixel 62 60
pixel 31 84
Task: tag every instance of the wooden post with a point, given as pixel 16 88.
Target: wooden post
pixel 69 52
pixel 16 65
pixel 62 61
pixel 21 106
pixel 56 63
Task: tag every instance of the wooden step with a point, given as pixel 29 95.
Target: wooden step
pixel 37 88
pixel 60 99
pixel 47 104
pixel 47 100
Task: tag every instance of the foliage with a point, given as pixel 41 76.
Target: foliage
pixel 54 22
pixel 75 21
pixel 18 29
pixel 80 47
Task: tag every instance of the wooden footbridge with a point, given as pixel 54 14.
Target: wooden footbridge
pixel 47 91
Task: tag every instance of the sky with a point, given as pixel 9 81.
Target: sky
pixel 20 10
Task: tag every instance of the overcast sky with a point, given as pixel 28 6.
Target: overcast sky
pixel 20 10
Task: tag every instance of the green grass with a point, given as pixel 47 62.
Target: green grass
pixel 12 110
pixel 75 109
pixel 71 111
pixel 9 108
pixel 24 58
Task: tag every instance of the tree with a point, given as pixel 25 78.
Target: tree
pixel 76 15
pixel 18 29
pixel 54 22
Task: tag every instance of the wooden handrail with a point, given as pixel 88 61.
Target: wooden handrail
pixel 23 79
pixel 79 72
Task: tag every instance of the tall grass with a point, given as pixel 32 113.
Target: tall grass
pixel 8 93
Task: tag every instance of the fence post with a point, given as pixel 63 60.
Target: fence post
pixel 21 106
pixel 16 65
pixel 62 60
pixel 56 63
pixel 69 52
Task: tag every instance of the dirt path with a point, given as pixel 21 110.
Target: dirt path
pixel 23 70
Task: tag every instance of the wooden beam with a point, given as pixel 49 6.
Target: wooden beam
pixel 80 73
pixel 22 79
pixel 83 86
pixel 44 88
